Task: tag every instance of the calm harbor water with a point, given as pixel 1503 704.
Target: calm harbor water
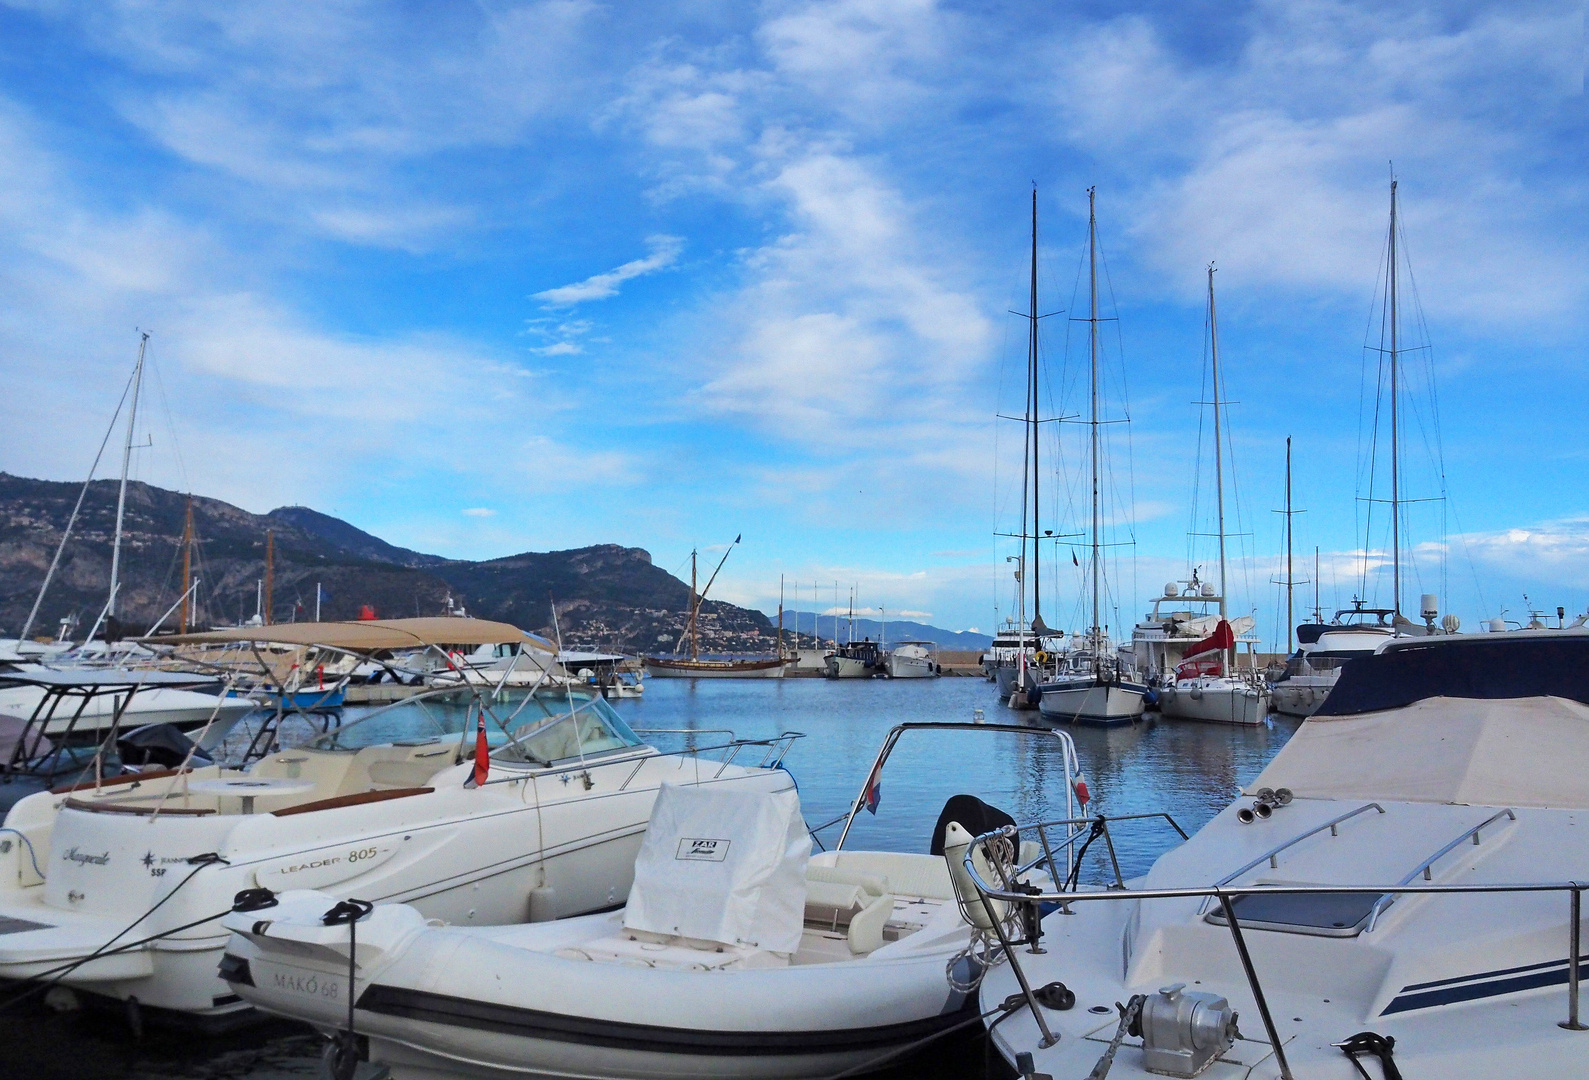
pixel 1188 770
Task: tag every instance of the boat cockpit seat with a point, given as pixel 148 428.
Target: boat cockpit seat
pixel 859 902
pixel 375 768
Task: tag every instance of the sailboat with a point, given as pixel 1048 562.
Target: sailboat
pixel 1324 648
pixel 678 667
pixel 1025 649
pixel 1092 689
pixel 1204 687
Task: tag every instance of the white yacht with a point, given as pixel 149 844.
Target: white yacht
pixel 1404 879
pixel 538 818
pixel 1322 650
pixel 912 660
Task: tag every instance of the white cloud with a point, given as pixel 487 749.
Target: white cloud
pixel 480 512
pixel 664 253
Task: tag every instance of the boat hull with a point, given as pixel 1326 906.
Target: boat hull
pixel 187 709
pixel 1214 701
pixel 1091 701
pixel 848 667
pixel 714 669
pixel 910 667
pixel 1300 695
pixel 1008 679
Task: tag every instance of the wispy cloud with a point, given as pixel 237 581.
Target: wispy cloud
pixel 664 253
pixel 480 512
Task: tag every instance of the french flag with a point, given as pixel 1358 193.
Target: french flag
pixel 874 789
pixel 482 752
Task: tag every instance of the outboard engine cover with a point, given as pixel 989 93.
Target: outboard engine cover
pixel 1184 1031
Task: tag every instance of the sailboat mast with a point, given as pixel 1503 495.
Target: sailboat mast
pixel 695 652
pixel 1092 327
pixel 126 463
pixel 187 565
pixel 780 622
pixel 270 576
pixel 1395 433
pixel 1032 427
pixel 1290 577
pixel 1219 461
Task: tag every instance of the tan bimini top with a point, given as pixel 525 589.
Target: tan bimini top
pixel 371 635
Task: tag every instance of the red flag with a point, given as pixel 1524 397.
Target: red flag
pixel 482 752
pixel 1083 796
pixel 1207 657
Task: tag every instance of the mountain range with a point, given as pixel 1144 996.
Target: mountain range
pixel 607 596
pixel 892 630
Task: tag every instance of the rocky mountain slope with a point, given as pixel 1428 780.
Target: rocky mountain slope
pixel 607 597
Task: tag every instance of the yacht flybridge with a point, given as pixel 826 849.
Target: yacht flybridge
pixel 1403 880
pixel 478 808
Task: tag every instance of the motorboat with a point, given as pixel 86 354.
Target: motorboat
pixel 740 953
pixel 1402 881
pixel 89 701
pixel 1322 650
pixel 912 660
pixel 855 660
pixel 536 819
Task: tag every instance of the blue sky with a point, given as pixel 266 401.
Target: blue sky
pixel 493 277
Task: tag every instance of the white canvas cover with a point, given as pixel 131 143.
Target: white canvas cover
pixel 724 866
pixel 1513 752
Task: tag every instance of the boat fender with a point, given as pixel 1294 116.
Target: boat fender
pixel 543 904
pixel 972 904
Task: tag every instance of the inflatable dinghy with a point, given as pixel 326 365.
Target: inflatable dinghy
pixel 739 954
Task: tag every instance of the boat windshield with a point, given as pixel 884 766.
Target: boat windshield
pixel 545 726
pixel 563 729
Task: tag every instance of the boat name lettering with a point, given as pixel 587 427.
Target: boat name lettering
pixel 701 849
pixel 313 864
pixel 83 859
pixel 307 984
pixel 361 854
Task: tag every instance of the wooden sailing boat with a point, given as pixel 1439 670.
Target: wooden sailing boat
pixel 1095 694
pixel 678 667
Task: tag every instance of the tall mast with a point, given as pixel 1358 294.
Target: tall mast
pixel 126 463
pixel 1219 449
pixel 695 606
pixel 1092 327
pixel 270 576
pixel 1395 433
pixel 1290 579
pixel 187 564
pixel 1031 428
pixel 780 622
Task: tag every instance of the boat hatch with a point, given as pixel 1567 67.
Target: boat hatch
pixel 1321 914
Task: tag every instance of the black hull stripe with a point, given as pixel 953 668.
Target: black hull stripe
pixel 1491 974
pixel 1450 995
pixel 556 1027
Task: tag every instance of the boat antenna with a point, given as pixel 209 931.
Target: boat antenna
pixel 126 462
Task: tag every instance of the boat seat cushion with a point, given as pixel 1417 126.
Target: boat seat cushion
pixel 640 949
pixel 858 901
pixel 922 876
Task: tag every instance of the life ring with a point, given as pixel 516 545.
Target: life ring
pixel 1042 657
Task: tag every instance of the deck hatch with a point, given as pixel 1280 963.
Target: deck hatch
pixel 1321 914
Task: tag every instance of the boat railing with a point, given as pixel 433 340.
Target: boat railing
pixel 775 750
pixel 1272 856
pixel 1021 896
pixel 1426 868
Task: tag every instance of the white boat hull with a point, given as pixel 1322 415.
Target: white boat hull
pixel 1089 701
pixel 848 667
pixel 187 709
pixel 1301 695
pixel 910 667
pixel 1214 700
pixel 470 856
pixel 522 1002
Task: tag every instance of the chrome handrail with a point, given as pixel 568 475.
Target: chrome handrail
pixel 1274 863
pixel 1427 865
pixel 1225 895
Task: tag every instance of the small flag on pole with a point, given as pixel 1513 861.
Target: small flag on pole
pixel 874 790
pixel 482 752
pixel 1074 561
